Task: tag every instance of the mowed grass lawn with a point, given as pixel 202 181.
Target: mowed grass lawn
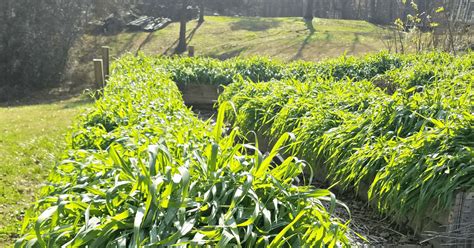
pixel 223 37
pixel 31 142
pixel 226 37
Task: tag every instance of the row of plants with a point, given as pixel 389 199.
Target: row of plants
pixel 141 170
pixel 390 71
pixel 184 70
pixel 413 146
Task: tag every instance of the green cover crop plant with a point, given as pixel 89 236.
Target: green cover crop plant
pixel 412 146
pixel 214 72
pixel 143 171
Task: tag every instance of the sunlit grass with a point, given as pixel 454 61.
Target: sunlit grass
pixel 31 142
pixel 225 37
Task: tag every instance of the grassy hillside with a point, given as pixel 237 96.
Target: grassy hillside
pixel 283 38
pixel 31 139
pixel 225 37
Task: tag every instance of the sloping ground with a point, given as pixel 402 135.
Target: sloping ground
pixel 283 38
pixel 31 141
pixel 225 37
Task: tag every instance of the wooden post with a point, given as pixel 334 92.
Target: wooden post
pixel 99 73
pixel 106 61
pixel 191 51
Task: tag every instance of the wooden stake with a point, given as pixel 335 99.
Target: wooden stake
pixel 99 73
pixel 191 51
pixel 106 61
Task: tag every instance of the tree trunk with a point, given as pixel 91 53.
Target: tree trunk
pixel 181 48
pixel 391 11
pixel 308 15
pixel 347 10
pixel 201 11
pixel 359 6
pixel 373 11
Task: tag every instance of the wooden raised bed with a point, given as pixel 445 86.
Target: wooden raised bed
pixel 200 96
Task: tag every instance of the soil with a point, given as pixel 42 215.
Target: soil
pixel 378 230
pixel 205 112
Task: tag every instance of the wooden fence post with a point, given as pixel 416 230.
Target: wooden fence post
pixel 99 73
pixel 106 61
pixel 191 51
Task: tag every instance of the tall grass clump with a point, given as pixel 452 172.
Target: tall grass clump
pixel 412 146
pixel 142 170
pixel 259 69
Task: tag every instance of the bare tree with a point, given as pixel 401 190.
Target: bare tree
pixel 201 11
pixel 182 46
pixel 309 10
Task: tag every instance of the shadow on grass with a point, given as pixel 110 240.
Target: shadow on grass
pixel 148 39
pixel 327 36
pixel 69 101
pixel 255 24
pixel 189 38
pixel 145 41
pixel 228 55
pixel 355 41
pixel 91 49
pixel 79 102
pixel 312 30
